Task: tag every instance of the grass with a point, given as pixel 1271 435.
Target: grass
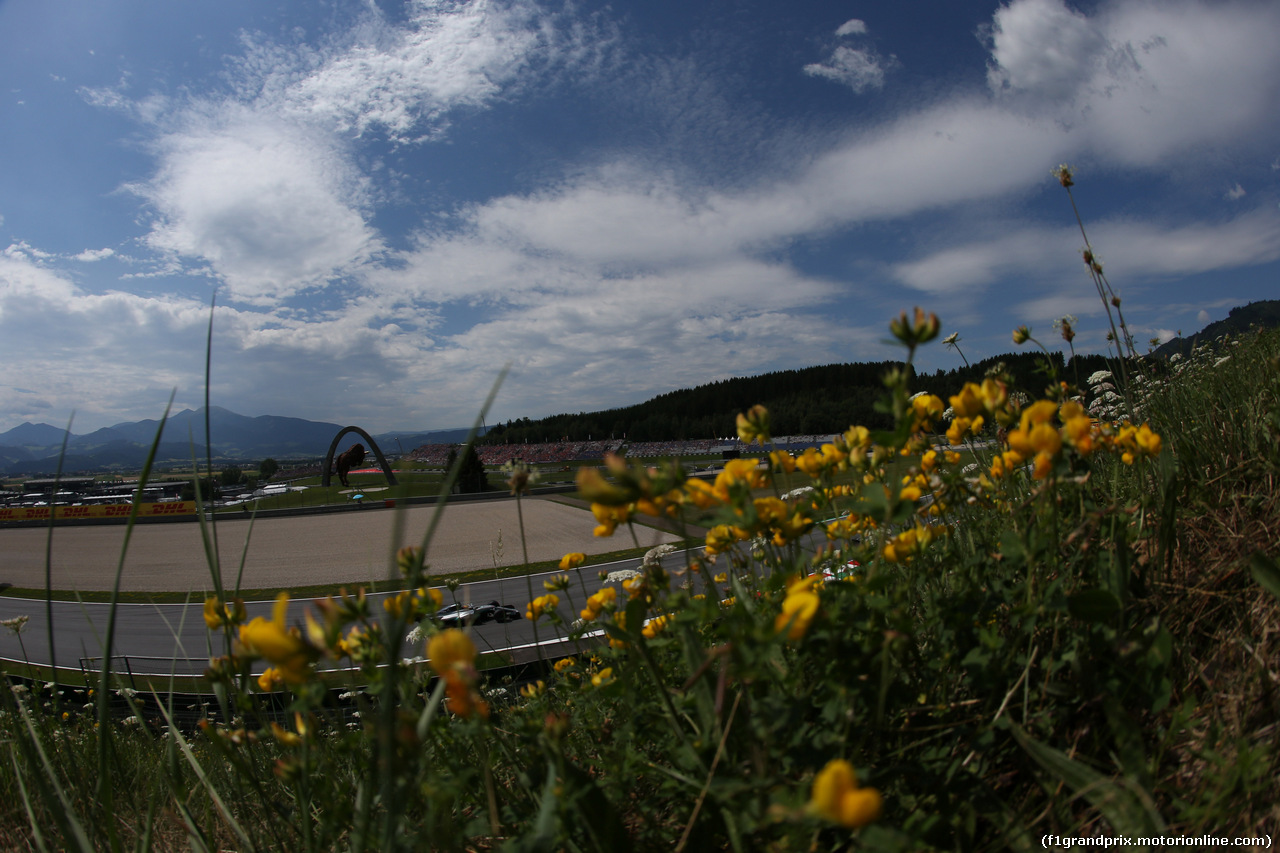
pixel 1077 638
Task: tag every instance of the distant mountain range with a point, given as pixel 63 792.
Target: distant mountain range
pixel 35 449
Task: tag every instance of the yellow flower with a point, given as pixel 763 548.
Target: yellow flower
pixel 782 460
pixel 656 626
pixel 572 561
pixel 799 608
pixel 543 604
pixel 603 677
pixel 230 613
pixel 450 651
pixel 754 426
pixel 287 737
pixel 400 605
pixel 719 539
pixel 926 409
pixel 609 517
pixel 270 680
pixel 836 796
pixel 563 664
pixel 283 647
pixel 534 689
pixel 968 403
pixel 556 582
pixel 597 603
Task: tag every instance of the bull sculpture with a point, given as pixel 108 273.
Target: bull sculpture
pixel 352 458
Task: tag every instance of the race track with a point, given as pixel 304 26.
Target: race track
pixel 336 548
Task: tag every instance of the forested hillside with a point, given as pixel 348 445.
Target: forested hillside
pixel 812 400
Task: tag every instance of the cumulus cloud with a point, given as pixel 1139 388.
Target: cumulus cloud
pixel 1141 83
pixel 1043 48
pixel 272 208
pixel 89 256
pixel 1235 193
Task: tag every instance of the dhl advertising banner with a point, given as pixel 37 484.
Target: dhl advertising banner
pixel 41 513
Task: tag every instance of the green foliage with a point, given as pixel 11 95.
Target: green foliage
pixel 268 468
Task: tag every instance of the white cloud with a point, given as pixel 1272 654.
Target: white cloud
pixel 1043 48
pixel 1235 193
pixel 404 80
pixel 1129 250
pixel 272 208
pixel 89 256
pixel 1142 83
pixel 858 69
pixel 852 27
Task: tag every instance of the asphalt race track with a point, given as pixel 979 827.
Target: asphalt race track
pixel 340 548
pixel 306 550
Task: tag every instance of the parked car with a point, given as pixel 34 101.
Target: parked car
pixel 461 615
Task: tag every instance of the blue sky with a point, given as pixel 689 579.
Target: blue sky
pixel 393 200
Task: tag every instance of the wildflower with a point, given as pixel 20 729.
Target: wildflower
pixel 609 517
pixel 1066 324
pixel 17 624
pixel 1063 174
pixel 282 647
pixel 597 603
pixel 720 539
pixel 218 614
pixel 409 560
pixel 619 576
pixel 1021 335
pixel 602 678
pixel 556 583
pixel 754 426
pixel 270 680
pixel 563 665
pixel 920 329
pixel 543 604
pixel 519 476
pixel 799 608
pixel 452 656
pixel 289 738
pixel 837 797
pixel 656 626
pixel 534 689
pixel 572 561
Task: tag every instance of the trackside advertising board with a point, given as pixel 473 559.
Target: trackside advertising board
pixel 41 513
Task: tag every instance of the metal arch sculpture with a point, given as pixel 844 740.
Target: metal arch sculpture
pixel 373 445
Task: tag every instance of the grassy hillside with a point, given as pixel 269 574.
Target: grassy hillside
pixel 1075 636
